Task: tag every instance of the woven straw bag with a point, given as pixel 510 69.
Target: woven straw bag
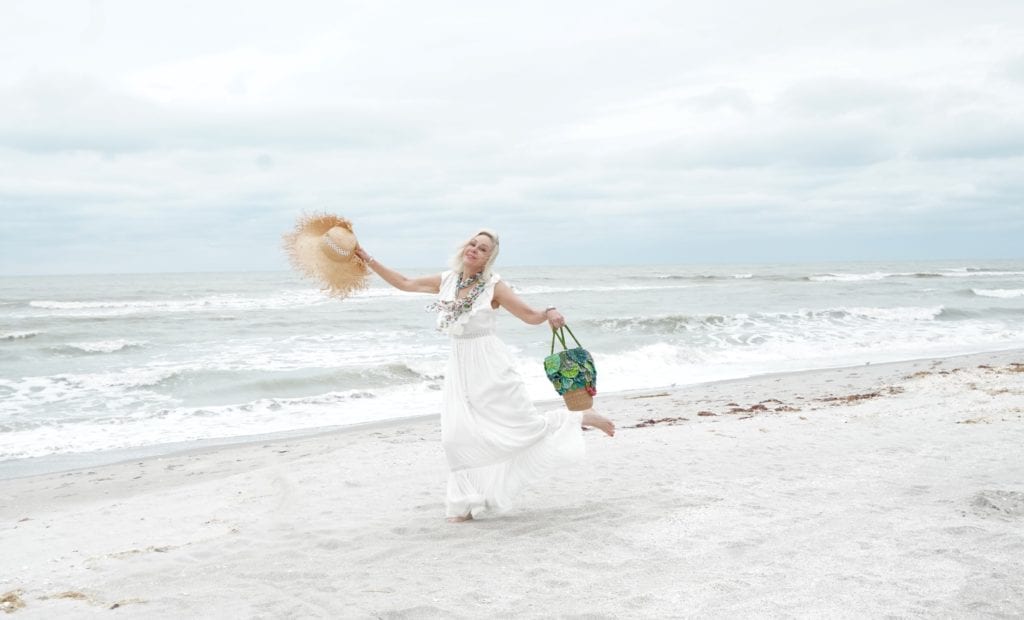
pixel 571 372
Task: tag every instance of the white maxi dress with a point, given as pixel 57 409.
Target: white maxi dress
pixel 496 442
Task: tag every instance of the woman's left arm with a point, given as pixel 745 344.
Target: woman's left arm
pixel 505 296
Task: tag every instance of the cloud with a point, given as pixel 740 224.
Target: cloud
pixel 1014 68
pixel 727 98
pixel 657 131
pixel 805 144
pixel 844 98
pixel 971 137
pixel 67 113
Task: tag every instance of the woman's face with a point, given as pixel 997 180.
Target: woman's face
pixel 477 252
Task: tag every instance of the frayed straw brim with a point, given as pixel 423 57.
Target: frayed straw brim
pixel 303 245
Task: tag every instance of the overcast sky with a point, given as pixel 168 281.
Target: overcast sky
pixel 182 136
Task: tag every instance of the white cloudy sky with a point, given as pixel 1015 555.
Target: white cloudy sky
pixel 178 136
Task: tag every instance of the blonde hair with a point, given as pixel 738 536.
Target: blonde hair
pixel 456 261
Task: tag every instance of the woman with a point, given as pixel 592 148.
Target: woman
pixel 495 441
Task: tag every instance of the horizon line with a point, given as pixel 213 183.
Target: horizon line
pixel 525 266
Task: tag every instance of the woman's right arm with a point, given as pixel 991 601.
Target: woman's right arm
pixel 425 284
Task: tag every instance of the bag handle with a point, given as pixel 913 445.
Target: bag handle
pixel 556 333
pixel 560 334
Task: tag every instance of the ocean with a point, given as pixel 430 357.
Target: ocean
pixel 103 364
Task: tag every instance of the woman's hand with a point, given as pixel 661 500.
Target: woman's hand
pixel 363 254
pixel 555 318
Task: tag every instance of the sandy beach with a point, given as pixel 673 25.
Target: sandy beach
pixel 892 490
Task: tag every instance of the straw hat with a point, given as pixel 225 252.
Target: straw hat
pixel 322 247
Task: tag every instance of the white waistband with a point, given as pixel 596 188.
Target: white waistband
pixel 472 335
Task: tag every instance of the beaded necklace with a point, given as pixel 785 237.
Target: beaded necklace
pixel 468 281
pixel 452 309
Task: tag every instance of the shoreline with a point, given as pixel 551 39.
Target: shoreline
pixel 893 489
pixel 16 469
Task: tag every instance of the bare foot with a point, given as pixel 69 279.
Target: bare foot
pixel 461 519
pixel 595 419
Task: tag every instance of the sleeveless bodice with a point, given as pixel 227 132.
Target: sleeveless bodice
pixel 480 320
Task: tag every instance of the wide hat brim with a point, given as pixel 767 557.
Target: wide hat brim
pixel 340 275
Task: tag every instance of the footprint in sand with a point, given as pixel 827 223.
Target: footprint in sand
pixel 999 504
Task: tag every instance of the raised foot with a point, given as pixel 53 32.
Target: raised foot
pixel 461 519
pixel 595 419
